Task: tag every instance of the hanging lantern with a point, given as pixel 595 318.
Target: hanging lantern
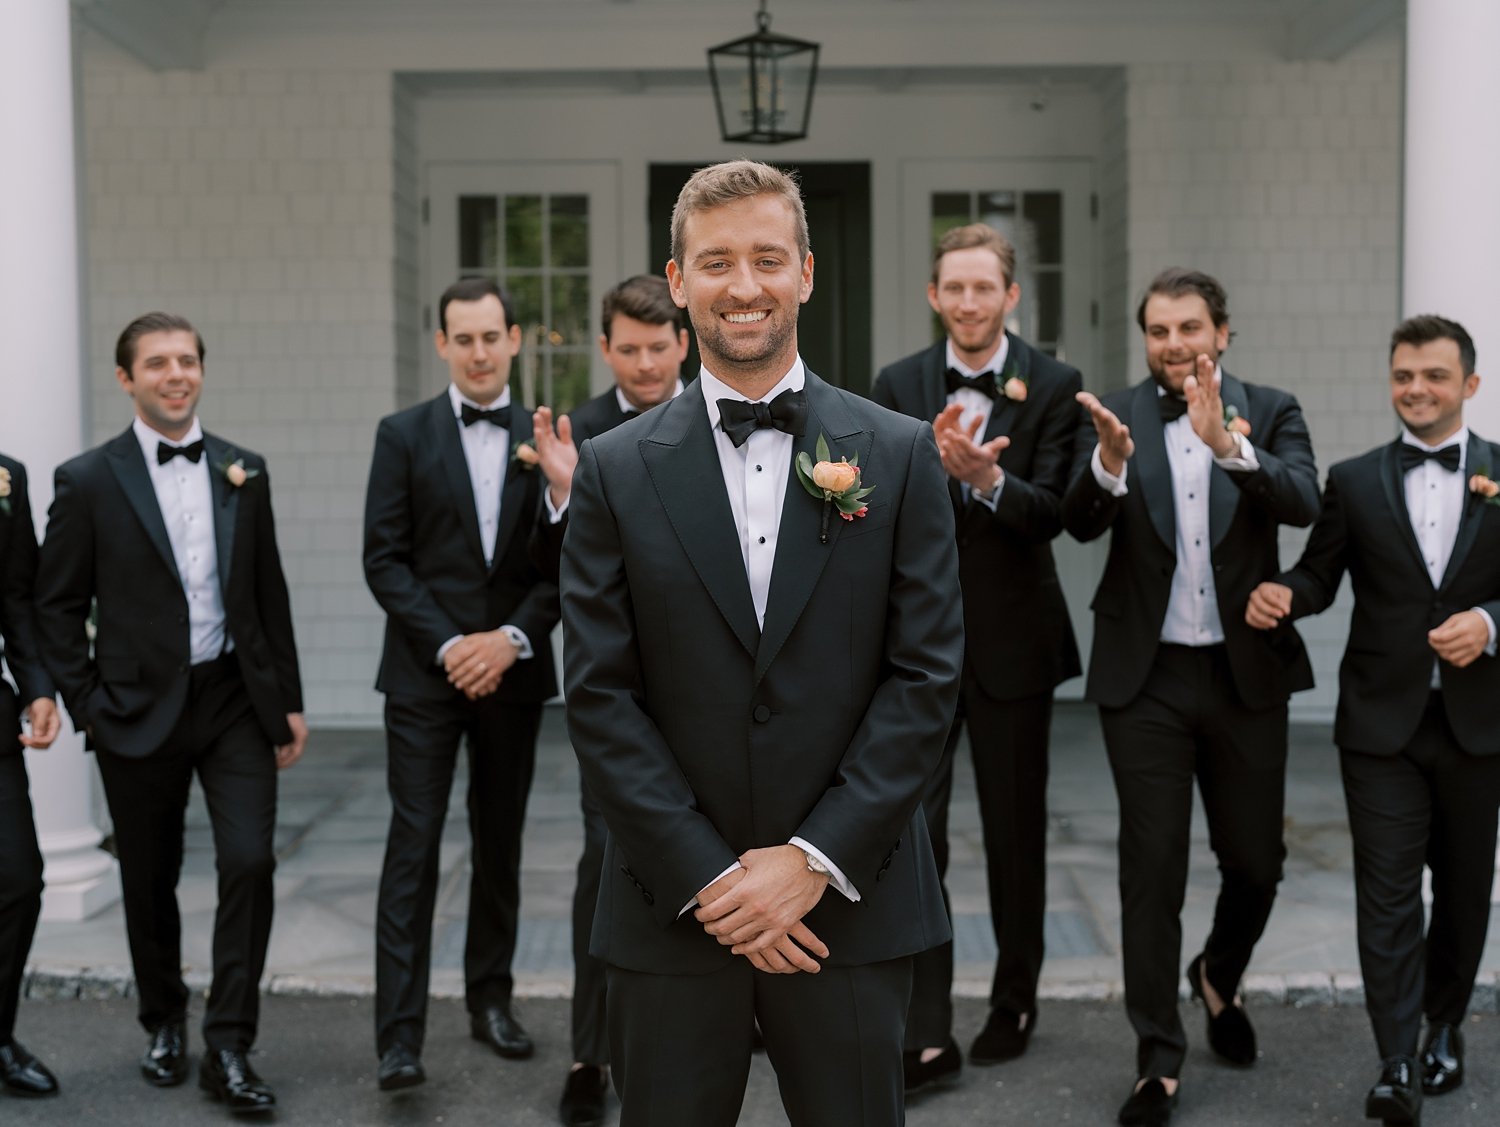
pixel 763 85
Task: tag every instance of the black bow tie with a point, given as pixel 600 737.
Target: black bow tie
pixel 500 416
pixel 786 413
pixel 626 416
pixel 165 452
pixel 984 383
pixel 1414 456
pixel 1172 407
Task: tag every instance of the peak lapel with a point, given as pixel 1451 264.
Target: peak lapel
pixel 1003 414
pixel 1223 494
pixel 934 399
pixel 130 470
pixel 684 466
pixel 1150 462
pixel 226 502
pixel 800 555
pixel 1393 482
pixel 1477 455
pixel 443 434
pixel 513 491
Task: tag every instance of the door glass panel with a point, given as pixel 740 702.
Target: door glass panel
pixel 478 231
pixel 570 231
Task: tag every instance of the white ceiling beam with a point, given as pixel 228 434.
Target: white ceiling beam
pixel 163 34
pixel 1328 29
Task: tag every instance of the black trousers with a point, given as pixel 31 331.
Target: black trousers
pixel 422 740
pixel 590 1031
pixel 1433 804
pixel 1188 723
pixel 681 1043
pixel 20 864
pixel 218 737
pixel 1009 743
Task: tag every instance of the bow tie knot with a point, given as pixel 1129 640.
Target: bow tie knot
pixel 1172 407
pixel 1414 456
pixel 165 452
pixel 470 415
pixel 986 383
pixel 786 413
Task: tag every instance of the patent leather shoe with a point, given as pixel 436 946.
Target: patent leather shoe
pixel 226 1075
pixel 165 1063
pixel 938 1072
pixel 1004 1037
pixel 1230 1033
pixel 400 1067
pixel 1150 1105
pixel 24 1075
pixel 1442 1059
pixel 582 1103
pixel 1396 1098
pixel 495 1026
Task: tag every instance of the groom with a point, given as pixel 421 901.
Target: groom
pixel 757 694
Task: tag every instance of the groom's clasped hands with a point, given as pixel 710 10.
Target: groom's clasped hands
pixel 757 910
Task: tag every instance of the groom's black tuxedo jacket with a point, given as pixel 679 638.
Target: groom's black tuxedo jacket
pixel 702 735
pixel 106 539
pixel 1020 642
pixel 17 618
pixel 424 559
pixel 1245 510
pixel 1386 674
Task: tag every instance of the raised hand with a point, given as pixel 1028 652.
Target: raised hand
pixel 1206 409
pixel 964 458
pixel 1115 444
pixel 555 453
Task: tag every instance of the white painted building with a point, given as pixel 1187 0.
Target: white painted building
pixel 302 177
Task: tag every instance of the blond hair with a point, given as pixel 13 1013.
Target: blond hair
pixel 719 184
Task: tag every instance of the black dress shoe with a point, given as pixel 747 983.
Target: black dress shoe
pixel 226 1075
pixel 939 1072
pixel 400 1067
pixel 165 1063
pixel 500 1031
pixel 1230 1034
pixel 1396 1098
pixel 583 1097
pixel 23 1074
pixel 1442 1060
pixel 1150 1105
pixel 1004 1037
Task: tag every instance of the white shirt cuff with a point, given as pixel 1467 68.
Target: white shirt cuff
pixel 994 498
pixel 1244 460
pixel 693 902
pixel 835 874
pixel 1114 486
pixel 448 645
pixel 519 639
pixel 555 514
pixel 1490 622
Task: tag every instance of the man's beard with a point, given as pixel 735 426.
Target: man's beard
pixel 747 354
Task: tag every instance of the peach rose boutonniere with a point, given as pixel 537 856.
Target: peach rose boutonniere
pixel 1012 386
pixel 4 491
pixel 525 453
pixel 836 484
pixel 235 472
pixel 1485 486
pixel 1234 421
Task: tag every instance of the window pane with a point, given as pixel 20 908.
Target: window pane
pixel 523 231
pixel 570 230
pixel 1049 307
pixel 478 228
pixel 950 210
pixel 526 300
pixel 1042 227
pixel 570 379
pixel 570 308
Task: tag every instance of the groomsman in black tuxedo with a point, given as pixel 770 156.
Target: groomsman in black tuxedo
pixel 1192 472
pixel 1416 525
pixel 644 340
pixel 760 681
pixel 448 516
pixel 1005 418
pixel 168 532
pixel 20 857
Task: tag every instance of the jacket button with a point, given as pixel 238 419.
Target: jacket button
pixel 762 713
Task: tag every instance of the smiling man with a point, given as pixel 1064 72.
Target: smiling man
pixel 448 516
pixel 1192 472
pixel 757 692
pixel 1418 723
pixel 167 532
pixel 1005 419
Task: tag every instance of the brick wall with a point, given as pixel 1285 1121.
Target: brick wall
pixel 259 204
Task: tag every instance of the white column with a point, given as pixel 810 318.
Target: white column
pixel 40 304
pixel 1451 227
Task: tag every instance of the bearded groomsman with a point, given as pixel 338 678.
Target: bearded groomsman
pixel 1416 524
pixel 20 857
pixel 168 532
pixel 1005 418
pixel 1192 472
pixel 448 517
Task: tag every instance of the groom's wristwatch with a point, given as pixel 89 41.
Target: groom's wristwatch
pixel 816 866
pixel 514 636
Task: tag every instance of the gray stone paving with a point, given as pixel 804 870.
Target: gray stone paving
pixel 331 835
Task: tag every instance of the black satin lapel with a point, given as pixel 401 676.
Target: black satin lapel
pixel 513 491
pixel 226 503
pixel 130 470
pixel 1393 481
pixel 684 466
pixel 934 390
pixel 1476 458
pixel 1223 494
pixel 1150 463
pixel 800 554
pixel 450 448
